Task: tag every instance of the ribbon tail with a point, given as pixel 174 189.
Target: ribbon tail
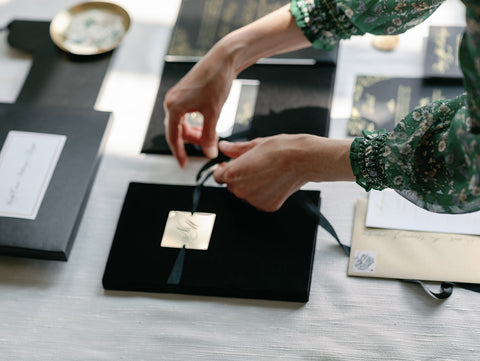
pixel 177 269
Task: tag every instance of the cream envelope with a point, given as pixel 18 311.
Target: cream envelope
pixel 400 254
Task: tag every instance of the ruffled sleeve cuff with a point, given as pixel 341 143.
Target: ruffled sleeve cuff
pixel 366 159
pixel 322 22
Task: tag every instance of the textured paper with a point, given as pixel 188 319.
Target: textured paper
pixel 387 209
pixel 400 254
pixel 27 163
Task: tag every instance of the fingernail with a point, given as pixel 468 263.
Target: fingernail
pixel 211 152
pixel 223 144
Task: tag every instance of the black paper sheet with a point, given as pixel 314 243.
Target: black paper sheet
pixel 201 23
pixel 56 78
pixel 252 254
pixel 291 99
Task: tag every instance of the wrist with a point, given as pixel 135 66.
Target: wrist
pixel 326 159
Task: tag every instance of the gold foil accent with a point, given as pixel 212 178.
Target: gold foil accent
pixel 190 230
pixel 443 51
pixel 403 102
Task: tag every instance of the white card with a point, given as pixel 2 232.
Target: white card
pixel 240 89
pixel 387 209
pixel 27 163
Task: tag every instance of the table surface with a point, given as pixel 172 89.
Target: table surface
pixel 53 310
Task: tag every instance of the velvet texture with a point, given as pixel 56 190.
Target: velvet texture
pixel 252 254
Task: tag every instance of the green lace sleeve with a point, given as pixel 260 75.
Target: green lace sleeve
pixel 432 157
pixel 325 22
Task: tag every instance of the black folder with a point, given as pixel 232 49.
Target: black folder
pixel 252 254
pixel 51 234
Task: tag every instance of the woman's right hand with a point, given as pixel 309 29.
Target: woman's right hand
pixel 206 86
pixel 203 89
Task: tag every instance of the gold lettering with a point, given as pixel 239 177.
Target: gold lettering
pixel 209 24
pixel 249 12
pixel 437 94
pixel 424 101
pixel 403 102
pixel 368 107
pixel 227 22
pixel 457 50
pixel 443 51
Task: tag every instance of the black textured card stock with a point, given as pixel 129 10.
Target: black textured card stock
pixel 201 23
pixel 56 78
pixel 291 99
pixel 252 254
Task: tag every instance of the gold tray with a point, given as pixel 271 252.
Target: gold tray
pixel 90 28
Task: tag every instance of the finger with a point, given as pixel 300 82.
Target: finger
pixel 191 134
pixel 218 174
pixel 209 136
pixel 235 150
pixel 173 125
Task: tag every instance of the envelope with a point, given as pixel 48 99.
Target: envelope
pixel 400 254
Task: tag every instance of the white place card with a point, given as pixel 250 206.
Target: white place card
pixel 27 163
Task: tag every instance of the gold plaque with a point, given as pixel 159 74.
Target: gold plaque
pixel 90 28
pixel 186 229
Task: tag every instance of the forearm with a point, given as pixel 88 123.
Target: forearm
pixel 324 159
pixel 272 34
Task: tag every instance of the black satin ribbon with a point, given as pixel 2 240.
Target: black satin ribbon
pixel 176 273
pixel 446 289
pixel 322 221
pixel 177 269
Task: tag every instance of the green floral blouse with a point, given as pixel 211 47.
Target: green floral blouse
pixel 432 157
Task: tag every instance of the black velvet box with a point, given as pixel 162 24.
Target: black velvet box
pixel 252 254
pixel 51 234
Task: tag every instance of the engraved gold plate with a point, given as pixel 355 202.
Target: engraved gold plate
pixel 90 28
pixel 190 230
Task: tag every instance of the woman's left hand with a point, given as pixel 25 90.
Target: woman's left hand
pixel 266 171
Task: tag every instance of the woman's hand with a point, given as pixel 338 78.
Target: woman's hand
pixel 204 89
pixel 266 171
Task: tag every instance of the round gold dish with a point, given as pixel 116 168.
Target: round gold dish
pixel 90 28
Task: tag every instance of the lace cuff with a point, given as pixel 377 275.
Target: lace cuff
pixel 322 22
pixel 366 159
